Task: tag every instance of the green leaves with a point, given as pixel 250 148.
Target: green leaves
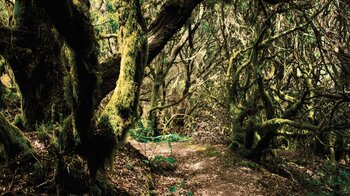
pixel 172 189
pixel 170 138
pixel 144 135
pixel 163 163
pixel 159 159
pixel 113 25
pixel 109 7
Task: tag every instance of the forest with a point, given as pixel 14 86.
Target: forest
pixel 175 97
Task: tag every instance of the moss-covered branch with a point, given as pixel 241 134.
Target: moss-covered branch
pixel 172 16
pixel 281 121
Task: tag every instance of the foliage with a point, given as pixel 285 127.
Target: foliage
pixel 163 163
pixel 19 121
pixel 332 178
pixel 248 164
pixel 44 131
pixel 144 134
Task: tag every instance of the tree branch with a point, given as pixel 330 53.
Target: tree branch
pixel 9 39
pixel 171 18
pixel 281 121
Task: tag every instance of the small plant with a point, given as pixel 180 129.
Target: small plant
pixel 341 182
pixel 180 189
pixel 172 189
pixel 140 133
pixel 248 164
pixel 44 131
pixel 335 179
pixel 144 134
pixel 163 163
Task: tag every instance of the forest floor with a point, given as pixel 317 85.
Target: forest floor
pixel 183 168
pixel 213 170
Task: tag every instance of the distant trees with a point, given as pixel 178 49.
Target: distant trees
pixel 277 82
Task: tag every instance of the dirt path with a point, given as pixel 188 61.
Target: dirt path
pixel 213 170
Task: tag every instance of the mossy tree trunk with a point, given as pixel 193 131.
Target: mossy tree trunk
pixel 233 89
pixel 72 20
pixel 121 111
pixel 35 58
pixel 2 93
pixel 270 131
pixel 13 139
pixel 155 95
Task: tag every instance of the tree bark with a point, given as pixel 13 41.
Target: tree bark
pixel 121 111
pixel 33 50
pixel 155 94
pixel 72 20
pixel 171 18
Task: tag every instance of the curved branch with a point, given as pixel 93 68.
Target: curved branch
pixel 171 104
pixel 281 121
pixel 171 18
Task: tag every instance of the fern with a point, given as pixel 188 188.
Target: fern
pixel 144 135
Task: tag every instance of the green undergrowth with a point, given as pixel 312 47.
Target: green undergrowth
pixel 144 134
pixel 248 164
pixel 331 180
pixel 163 163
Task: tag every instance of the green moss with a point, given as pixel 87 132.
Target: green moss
pixel 13 139
pixel 120 112
pixel 19 121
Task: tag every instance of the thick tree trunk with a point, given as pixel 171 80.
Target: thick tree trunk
pixel 121 111
pixel 166 25
pixel 72 20
pixel 2 94
pixel 38 67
